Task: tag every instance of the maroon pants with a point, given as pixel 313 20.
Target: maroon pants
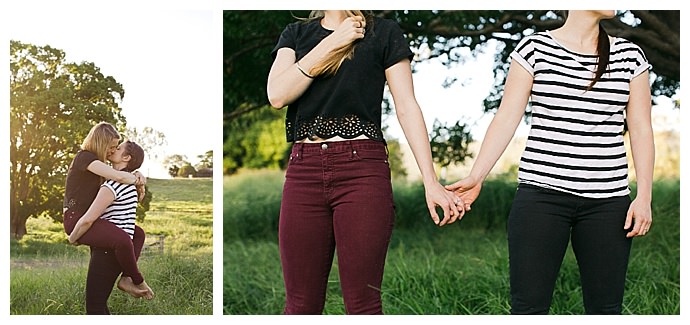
pixel 104 234
pixel 104 269
pixel 337 197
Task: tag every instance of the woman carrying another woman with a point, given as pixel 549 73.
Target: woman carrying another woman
pixel 84 178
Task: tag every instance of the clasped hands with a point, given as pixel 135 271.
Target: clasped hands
pixel 455 200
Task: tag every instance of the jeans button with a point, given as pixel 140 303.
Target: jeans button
pixel 324 146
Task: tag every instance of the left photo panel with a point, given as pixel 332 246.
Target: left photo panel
pixel 112 139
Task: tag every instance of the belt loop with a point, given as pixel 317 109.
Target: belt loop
pixel 353 151
pixel 300 150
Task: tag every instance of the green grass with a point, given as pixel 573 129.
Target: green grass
pixel 456 270
pixel 47 275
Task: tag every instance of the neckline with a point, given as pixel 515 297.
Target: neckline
pixel 612 41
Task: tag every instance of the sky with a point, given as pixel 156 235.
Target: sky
pixel 166 61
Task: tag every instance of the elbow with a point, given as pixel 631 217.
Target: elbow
pixel 276 101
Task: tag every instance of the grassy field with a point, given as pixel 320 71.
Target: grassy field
pixel 457 270
pixel 47 275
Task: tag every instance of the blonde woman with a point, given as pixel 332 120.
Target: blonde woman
pixel 330 71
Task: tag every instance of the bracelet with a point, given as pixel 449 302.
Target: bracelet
pixel 303 72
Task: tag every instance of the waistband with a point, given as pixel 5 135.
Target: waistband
pixel 339 146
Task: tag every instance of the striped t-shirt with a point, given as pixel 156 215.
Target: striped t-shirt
pixel 123 211
pixel 575 142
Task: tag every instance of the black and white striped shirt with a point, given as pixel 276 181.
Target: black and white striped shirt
pixel 575 143
pixel 123 211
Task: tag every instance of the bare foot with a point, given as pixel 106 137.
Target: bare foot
pixel 125 284
pixel 148 293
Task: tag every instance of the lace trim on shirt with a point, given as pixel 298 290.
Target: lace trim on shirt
pixel 346 127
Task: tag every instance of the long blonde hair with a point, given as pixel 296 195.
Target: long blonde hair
pixel 99 138
pixel 331 64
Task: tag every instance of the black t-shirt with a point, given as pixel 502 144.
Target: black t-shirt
pixel 81 185
pixel 347 104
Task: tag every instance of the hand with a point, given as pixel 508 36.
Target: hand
pixel 436 195
pixel 466 189
pixel 641 213
pixel 141 192
pixel 350 30
pixel 141 179
pixel 73 241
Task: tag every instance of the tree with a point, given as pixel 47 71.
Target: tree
pixel 186 171
pixel 150 140
pixel 449 144
pixel 173 163
pixel 53 105
pixel 205 160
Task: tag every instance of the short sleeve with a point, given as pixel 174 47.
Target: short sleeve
pixel 83 160
pixel 640 61
pixel 524 54
pixel 397 47
pixel 287 39
pixel 110 184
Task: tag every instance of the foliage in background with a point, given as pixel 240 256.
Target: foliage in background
pixel 53 105
pixel 460 269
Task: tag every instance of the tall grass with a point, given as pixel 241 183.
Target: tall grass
pixel 458 269
pixel 47 275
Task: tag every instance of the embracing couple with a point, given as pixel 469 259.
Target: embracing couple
pixel 100 211
pixel 330 70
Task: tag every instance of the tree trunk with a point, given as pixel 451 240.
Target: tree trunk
pixel 17 223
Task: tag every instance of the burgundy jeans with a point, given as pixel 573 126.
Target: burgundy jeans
pixel 337 197
pixel 103 272
pixel 104 234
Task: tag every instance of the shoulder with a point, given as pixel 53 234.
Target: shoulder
pixel 620 43
pixel 85 155
pixel 385 24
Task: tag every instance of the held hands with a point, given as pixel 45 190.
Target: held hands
pixel 467 189
pixel 350 30
pixel 453 207
pixel 641 213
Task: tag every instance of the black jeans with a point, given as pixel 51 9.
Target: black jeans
pixel 540 225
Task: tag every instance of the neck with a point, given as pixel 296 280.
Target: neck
pixel 120 166
pixel 333 18
pixel 581 27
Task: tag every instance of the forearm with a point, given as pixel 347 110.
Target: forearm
pixel 496 140
pixel 411 120
pixel 286 82
pixel 642 148
pixel 82 226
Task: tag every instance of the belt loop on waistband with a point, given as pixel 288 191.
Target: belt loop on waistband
pixel 300 150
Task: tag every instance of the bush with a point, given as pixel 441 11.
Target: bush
pixel 186 170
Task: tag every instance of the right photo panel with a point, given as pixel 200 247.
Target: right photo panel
pixel 436 162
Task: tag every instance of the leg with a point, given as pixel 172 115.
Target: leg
pixel 602 253
pixel 104 234
pixel 305 237
pixel 126 283
pixel 364 215
pixel 538 234
pixel 103 271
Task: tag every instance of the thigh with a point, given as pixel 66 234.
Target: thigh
pixel 105 234
pixel 305 237
pixel 538 234
pixel 602 251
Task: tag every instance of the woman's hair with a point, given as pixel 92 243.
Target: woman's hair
pixel 136 154
pixel 603 52
pixel 330 65
pixel 99 138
